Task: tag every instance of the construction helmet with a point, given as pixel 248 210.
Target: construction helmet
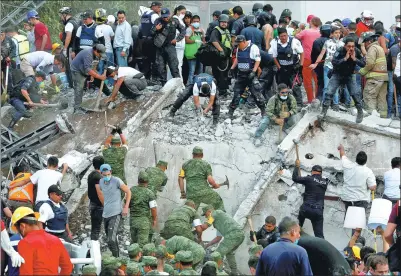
pixel 367 17
pixel 111 19
pixel 250 20
pixel 264 18
pixel 223 18
pixel 31 14
pixel 20 213
pixel 55 46
pixel 367 36
pixel 65 10
pixel 100 16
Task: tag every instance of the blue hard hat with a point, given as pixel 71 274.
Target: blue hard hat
pixel 346 21
pixel 105 168
pixel 31 14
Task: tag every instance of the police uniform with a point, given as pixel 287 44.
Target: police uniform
pixel 87 36
pixel 246 60
pixel 55 217
pixel 166 53
pixel 195 90
pixel 313 205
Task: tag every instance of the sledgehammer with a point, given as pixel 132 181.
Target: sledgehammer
pixel 226 183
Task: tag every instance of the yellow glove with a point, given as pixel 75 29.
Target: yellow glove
pixel 57 89
pixel 170 256
pixel 42 85
pixel 210 220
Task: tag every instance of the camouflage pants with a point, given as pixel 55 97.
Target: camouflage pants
pixel 177 228
pixel 208 197
pixel 375 96
pixel 198 253
pixel 140 228
pixel 228 246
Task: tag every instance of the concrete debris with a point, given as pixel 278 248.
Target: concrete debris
pixel 76 160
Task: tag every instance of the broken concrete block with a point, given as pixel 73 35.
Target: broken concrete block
pixel 76 160
pixel 219 131
pixel 93 149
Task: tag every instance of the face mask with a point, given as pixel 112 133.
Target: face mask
pixel 195 25
pixel 107 178
pixel 283 97
pixel 181 16
pixel 296 241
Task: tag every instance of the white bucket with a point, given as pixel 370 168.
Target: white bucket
pixel 379 213
pixel 355 218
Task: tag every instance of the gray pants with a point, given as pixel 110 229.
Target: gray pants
pixel 131 87
pixel 78 81
pixel 266 121
pixel 111 225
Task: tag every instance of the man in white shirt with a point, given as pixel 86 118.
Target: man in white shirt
pixel 359 180
pixel 54 215
pixel 108 34
pixel 41 61
pixel 288 55
pixel 392 181
pixel 122 39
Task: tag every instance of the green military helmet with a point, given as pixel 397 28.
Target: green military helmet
pixel 162 163
pixel 211 263
pixel 286 13
pixel 161 251
pixel 207 208
pixel 197 150
pixel 132 268
pixel 123 260
pixel 255 248
pixel 111 261
pixel 149 261
pixel 149 249
pixel 169 269
pixel 215 256
pixel 143 177
pixel 134 249
pixel 184 256
pixel 89 270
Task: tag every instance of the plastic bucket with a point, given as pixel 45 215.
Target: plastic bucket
pixel 379 213
pixel 355 218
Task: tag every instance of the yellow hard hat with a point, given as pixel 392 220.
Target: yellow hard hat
pixel 20 213
pixel 55 46
pixel 357 252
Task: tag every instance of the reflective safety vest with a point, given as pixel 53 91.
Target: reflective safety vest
pixel 23 45
pixel 23 193
pixel 146 23
pixel 225 37
pixel 285 55
pixel 58 223
pixel 245 63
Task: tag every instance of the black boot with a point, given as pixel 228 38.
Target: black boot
pixel 359 115
pixel 215 121
pixel 172 112
pixel 324 111
pixel 12 124
pixel 230 113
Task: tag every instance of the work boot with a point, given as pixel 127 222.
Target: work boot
pixel 12 124
pixel 336 108
pixel 215 121
pixel 324 111
pixel 359 115
pixel 230 114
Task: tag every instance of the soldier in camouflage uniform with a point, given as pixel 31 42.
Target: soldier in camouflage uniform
pixel 149 264
pixel 181 221
pixel 185 260
pixel 111 262
pixel 133 269
pixel 114 150
pixel 89 270
pixel 149 249
pixel 178 243
pixel 255 250
pixel 216 258
pixel 198 175
pixel 142 207
pixel 230 230
pixel 135 254
pixel 157 177
pixel 211 264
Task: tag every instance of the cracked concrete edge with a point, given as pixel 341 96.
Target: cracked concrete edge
pixel 78 194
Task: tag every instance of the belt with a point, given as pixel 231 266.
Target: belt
pixel 314 206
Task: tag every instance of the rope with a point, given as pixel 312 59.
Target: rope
pixel 222 70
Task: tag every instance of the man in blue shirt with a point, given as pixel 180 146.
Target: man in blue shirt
pixel 285 257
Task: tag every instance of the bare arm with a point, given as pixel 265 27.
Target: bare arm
pixel 212 182
pixel 99 193
pixel 26 95
pixel 211 102
pixel 196 101
pixel 181 183
pixel 127 192
pixel 255 66
pixel 116 87
pixel 7 212
pixel 44 41
pixel 301 59
pixel 108 140
pixel 154 215
pixel 320 57
pixel 94 74
pixel 217 45
pixel 199 232
pixel 388 233
pixel 123 139
pixel 20 183
pixel 341 150
pixel 67 40
pixel 214 241
pixel 235 63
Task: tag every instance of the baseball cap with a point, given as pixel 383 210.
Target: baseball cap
pixel 102 50
pixel 165 13
pixel 216 13
pixel 317 168
pixel 309 18
pixel 105 168
pixel 156 3
pixel 240 38
pixel 54 189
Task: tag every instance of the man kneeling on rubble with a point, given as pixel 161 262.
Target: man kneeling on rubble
pixel 128 81
pixel 281 109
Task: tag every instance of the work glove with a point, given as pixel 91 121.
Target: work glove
pixel 16 259
pixel 210 220
pixel 113 131
pixel 183 195
pixel 221 54
pixel 118 130
pixel 57 89
pixel 251 234
pixel 251 76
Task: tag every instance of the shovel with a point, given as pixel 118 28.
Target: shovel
pixel 99 95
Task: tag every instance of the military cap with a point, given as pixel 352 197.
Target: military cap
pixel 211 263
pixel 189 202
pixel 149 261
pixel 197 150
pixel 207 208
pixel 132 268
pixel 111 262
pixel 162 163
pixel 89 269
pixel 148 249
pixel 169 269
pixel 215 256
pixel 254 249
pixel 116 140
pixel 134 249
pixel 143 177
pixel 123 260
pixel 161 251
pixel 184 256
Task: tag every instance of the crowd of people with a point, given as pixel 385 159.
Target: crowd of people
pixel 349 62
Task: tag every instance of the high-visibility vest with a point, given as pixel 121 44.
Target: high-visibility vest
pixel 23 45
pixel 22 193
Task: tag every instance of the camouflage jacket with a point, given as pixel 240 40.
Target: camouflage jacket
pixel 115 157
pixel 188 271
pixel 196 172
pixel 184 213
pixel 274 106
pixel 178 243
pixel 157 179
pixel 140 198
pixel 225 224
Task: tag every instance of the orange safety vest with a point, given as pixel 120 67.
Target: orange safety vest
pixel 22 193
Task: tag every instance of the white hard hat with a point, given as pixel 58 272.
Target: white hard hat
pixel 367 14
pixel 111 19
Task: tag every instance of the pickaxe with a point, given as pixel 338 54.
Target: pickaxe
pixel 249 219
pixel 226 183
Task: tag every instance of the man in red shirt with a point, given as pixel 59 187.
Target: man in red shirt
pixel 367 20
pixel 42 37
pixel 43 253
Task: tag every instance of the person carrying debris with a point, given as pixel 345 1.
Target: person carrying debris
pixel 181 221
pixel 204 86
pixel 198 175
pixel 143 206
pixel 54 215
pixel 22 96
pixel 128 81
pixel 228 229
pixel 114 150
pixel 268 233
pixel 280 109
pixel 313 205
pixel 22 195
pixel 157 177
